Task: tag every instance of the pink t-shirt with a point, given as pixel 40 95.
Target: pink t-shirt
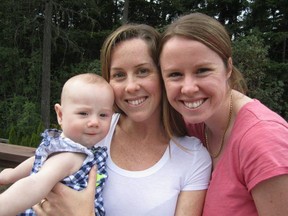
pixel 257 150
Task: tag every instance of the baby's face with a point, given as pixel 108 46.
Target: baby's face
pixel 86 113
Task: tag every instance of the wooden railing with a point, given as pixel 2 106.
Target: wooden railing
pixel 12 155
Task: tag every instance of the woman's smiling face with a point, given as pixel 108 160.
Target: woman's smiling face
pixel 195 77
pixel 135 80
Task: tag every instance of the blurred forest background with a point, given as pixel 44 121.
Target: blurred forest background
pixel 44 42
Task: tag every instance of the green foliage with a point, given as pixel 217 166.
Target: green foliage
pixel 84 67
pixel 13 139
pixel 22 119
pixel 4 124
pixel 25 141
pixel 272 95
pixel 28 119
pixel 31 139
pixel 279 70
pixel 10 64
pixel 35 140
pixel 251 57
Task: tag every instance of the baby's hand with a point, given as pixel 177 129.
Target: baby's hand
pixel 5 176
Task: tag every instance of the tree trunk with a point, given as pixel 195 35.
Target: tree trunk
pixel 125 12
pixel 46 66
pixel 284 50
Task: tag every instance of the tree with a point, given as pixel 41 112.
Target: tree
pixel 46 65
pixel 251 57
pixel 125 12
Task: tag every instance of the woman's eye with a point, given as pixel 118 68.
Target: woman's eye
pixel 118 75
pixel 174 74
pixel 202 70
pixel 143 71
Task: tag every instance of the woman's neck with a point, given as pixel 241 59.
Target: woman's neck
pixel 144 131
pixel 137 145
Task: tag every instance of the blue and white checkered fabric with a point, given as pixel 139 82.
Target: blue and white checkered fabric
pixel 52 142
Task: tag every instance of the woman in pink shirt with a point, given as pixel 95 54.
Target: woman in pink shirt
pixel 247 141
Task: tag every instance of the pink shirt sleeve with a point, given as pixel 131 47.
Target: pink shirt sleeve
pixel 264 154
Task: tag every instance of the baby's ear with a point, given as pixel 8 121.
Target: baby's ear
pixel 58 110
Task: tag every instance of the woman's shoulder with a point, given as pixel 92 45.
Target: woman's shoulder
pixel 189 142
pixel 256 111
pixel 255 120
pixel 257 129
pixel 191 157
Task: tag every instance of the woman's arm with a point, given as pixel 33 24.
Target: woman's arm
pixel 190 203
pixel 11 175
pixel 65 201
pixel 271 196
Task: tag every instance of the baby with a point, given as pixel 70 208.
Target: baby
pixel 84 115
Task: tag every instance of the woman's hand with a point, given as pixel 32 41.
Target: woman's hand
pixel 63 200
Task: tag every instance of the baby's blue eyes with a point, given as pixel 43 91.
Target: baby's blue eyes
pixel 83 113
pixel 103 115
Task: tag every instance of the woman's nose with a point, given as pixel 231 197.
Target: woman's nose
pixel 132 85
pixel 189 86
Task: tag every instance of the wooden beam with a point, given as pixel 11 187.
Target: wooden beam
pixel 12 155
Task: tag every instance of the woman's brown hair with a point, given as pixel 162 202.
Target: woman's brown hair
pixel 172 121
